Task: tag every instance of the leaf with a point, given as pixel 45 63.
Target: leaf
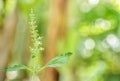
pixel 59 60
pixel 16 67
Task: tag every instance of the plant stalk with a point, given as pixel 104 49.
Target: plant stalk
pixel 33 77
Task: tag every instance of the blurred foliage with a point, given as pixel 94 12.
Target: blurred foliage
pixel 93 36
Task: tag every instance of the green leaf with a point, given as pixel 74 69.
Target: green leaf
pixel 16 67
pixel 59 60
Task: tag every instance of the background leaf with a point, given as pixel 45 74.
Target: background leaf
pixel 16 67
pixel 59 60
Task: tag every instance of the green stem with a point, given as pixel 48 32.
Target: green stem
pixel 33 77
pixel 42 68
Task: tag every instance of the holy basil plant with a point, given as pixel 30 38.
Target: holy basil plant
pixel 34 66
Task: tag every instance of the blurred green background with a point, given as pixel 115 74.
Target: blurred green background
pixel 90 29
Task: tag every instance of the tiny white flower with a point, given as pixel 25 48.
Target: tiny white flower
pixel 40 43
pixel 41 48
pixel 40 37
